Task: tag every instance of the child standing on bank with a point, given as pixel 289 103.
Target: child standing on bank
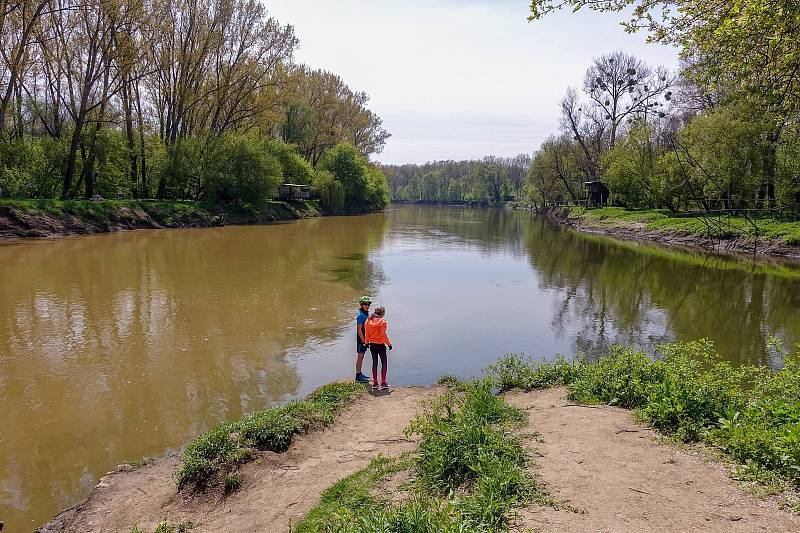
pixel 377 339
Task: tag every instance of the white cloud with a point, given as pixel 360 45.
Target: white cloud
pixel 457 79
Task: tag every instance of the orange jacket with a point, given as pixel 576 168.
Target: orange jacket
pixel 375 331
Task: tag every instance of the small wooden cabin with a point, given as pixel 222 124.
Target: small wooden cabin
pixel 292 191
pixel 597 193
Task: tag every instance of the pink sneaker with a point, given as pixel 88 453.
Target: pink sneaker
pixel 384 386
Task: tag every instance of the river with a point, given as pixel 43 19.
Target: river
pixel 115 347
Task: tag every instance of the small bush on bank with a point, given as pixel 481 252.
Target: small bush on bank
pixel 689 391
pixel 515 371
pixel 231 444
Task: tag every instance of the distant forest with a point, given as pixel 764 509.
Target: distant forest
pixel 488 180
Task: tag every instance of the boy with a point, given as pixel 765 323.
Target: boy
pixel 361 344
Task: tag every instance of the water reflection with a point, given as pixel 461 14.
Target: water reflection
pixel 610 291
pixel 647 295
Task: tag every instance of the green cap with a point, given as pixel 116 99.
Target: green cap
pixel 365 300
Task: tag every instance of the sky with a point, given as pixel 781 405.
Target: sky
pixel 458 79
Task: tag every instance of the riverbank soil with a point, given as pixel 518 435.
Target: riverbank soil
pixel 730 235
pixel 54 218
pixel 277 490
pixel 619 477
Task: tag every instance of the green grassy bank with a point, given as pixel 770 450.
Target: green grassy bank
pixel 470 472
pixel 44 218
pixel 711 227
pixel 214 456
pixel 750 413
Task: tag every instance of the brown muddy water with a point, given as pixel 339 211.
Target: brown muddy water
pixel 116 347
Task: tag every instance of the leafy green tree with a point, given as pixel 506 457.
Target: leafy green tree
pixel 299 124
pixel 364 186
pixel 349 167
pixel 725 153
pixel 296 169
pixel 240 172
pixel 377 197
pixel 331 192
pixel 630 170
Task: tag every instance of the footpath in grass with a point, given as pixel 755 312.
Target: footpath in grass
pixel 469 473
pixel 751 413
pixel 714 227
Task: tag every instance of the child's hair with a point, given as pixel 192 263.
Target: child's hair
pixel 379 312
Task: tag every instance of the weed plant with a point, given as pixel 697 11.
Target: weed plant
pixel 165 527
pixel 751 412
pixel 224 448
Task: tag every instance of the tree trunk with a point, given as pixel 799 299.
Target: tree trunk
pixel 69 173
pixel 144 183
pixel 770 157
pixel 126 106
pixel 88 167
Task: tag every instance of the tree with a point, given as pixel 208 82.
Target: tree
pixel 19 21
pixel 295 168
pixel 624 88
pixel 325 111
pixel 152 89
pixel 363 185
pixel 240 172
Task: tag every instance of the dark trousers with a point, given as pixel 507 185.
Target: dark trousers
pixel 378 350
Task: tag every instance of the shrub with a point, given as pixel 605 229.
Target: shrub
pixel 364 186
pixel 515 371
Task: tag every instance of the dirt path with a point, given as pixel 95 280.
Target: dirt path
pixel 622 479
pixel 276 491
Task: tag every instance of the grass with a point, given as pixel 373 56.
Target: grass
pixel 469 473
pixel 165 527
pixel 232 483
pixel 223 449
pixel 751 413
pixel 351 494
pixel 139 463
pixel 717 228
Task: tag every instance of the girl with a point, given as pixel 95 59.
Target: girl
pixel 375 333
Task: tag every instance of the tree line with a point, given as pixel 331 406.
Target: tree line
pixel 190 99
pixel 488 181
pixel 721 134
